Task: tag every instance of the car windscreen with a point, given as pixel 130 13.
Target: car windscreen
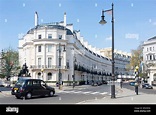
pixel 20 82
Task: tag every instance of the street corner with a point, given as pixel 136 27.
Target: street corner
pixel 5 93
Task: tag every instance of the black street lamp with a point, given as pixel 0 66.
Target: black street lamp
pixel 104 22
pixel 1 60
pixel 74 73
pixel 60 74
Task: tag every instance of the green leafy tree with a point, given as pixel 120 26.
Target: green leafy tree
pixel 136 58
pixel 9 62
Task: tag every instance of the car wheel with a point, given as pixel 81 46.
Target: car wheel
pixel 18 97
pixel 28 95
pixel 51 93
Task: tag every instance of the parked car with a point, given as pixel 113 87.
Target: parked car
pixel 104 82
pixel 4 83
pixel 28 88
pixel 132 83
pixel 147 86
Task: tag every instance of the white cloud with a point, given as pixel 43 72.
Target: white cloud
pixel 150 20
pixel 132 36
pixel 78 20
pixel 132 4
pixel 60 4
pixel 95 35
pixel 154 23
pixel 109 38
pixel 5 20
pixel 41 20
pixel 96 4
pixel 23 4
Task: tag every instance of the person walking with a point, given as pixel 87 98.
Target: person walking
pixel 136 88
pixel 121 84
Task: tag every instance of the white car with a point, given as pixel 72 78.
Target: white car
pixel 4 83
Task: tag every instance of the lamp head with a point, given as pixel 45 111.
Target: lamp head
pixel 103 21
pixel 42 70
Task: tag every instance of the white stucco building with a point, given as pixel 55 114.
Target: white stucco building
pixel 121 58
pixel 149 58
pixel 0 62
pixel 43 46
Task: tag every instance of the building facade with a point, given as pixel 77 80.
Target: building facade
pixel 55 49
pixel 0 63
pixel 122 59
pixel 149 59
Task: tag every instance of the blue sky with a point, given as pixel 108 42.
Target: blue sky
pixel 135 20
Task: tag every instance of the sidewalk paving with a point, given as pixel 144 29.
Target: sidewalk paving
pixel 124 96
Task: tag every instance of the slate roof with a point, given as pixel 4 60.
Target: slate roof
pixel 153 38
pixel 50 26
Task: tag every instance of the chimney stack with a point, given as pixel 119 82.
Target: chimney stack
pixel 65 19
pixel 36 19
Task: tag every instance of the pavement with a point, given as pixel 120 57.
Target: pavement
pixel 123 96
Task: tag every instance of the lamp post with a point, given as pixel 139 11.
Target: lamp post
pixel 74 73
pixel 104 22
pixel 60 74
pixel 1 62
pixel 136 79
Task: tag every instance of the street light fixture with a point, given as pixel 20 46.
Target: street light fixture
pixel 60 74
pixel 74 73
pixel 104 22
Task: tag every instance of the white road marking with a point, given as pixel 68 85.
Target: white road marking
pixel 104 93
pixel 87 92
pixel 77 92
pixel 94 92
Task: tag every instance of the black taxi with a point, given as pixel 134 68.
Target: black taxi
pixel 28 88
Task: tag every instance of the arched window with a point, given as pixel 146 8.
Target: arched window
pixel 39 75
pixel 49 76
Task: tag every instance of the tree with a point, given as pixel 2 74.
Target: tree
pixel 136 58
pixel 9 62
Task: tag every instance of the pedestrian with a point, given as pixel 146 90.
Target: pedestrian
pixel 136 88
pixel 120 84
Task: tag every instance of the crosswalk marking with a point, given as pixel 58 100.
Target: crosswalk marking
pixel 84 92
pixel 104 93
pixel 94 92
pixel 78 92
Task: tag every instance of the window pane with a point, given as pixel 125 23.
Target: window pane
pixel 60 36
pixel 49 48
pixel 39 37
pixel 49 62
pixel 49 36
pixel 39 62
pixel 49 76
pixel 39 48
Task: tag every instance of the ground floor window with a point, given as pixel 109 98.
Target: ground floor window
pixel 49 76
pixel 39 75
